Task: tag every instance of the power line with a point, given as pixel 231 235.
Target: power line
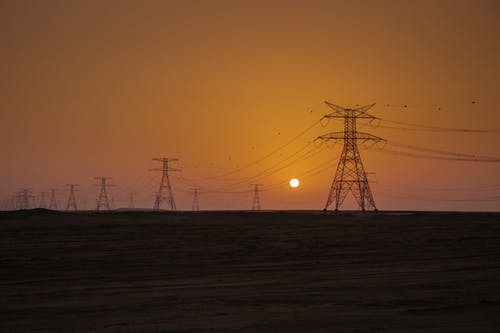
pixel 431 128
pixel 273 169
pixel 246 166
pixel 454 189
pixel 437 157
pixel 407 196
pixel 441 152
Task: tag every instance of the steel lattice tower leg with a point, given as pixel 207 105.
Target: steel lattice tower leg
pixel 350 175
pixel 42 201
pixel 165 191
pixel 53 201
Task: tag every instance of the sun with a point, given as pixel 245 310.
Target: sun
pixel 294 182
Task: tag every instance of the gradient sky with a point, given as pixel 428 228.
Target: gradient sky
pixel 98 88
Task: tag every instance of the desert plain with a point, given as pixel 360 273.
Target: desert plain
pixel 274 271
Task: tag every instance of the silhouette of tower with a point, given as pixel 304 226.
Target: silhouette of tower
pixel 24 198
pixel 350 175
pixel 42 203
pixel 196 205
pixel 53 201
pixel 165 191
pixel 6 203
pixel 14 202
pixel 102 200
pixel 71 200
pixel 256 199
pixel 131 201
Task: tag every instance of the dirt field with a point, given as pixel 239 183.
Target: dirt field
pixel 249 272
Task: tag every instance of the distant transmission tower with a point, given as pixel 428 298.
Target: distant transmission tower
pixel 350 175
pixel 53 201
pixel 42 203
pixel 196 205
pixel 131 201
pixel 256 199
pixel 71 200
pixel 102 200
pixel 165 190
pixel 14 201
pixel 23 198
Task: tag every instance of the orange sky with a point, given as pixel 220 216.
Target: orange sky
pixel 98 88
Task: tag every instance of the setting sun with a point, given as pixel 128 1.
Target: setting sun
pixel 294 182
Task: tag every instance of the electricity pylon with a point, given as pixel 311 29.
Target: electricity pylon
pixel 102 200
pixel 23 198
pixel 14 201
pixel 256 199
pixel 350 175
pixel 196 205
pixel 131 201
pixel 53 201
pixel 71 200
pixel 165 190
pixel 42 203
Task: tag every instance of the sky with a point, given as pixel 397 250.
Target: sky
pixel 99 88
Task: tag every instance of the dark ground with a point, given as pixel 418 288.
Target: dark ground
pixel 250 272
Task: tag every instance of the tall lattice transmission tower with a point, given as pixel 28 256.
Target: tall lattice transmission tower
pixel 350 175
pixel 102 200
pixel 165 191
pixel 196 205
pixel 53 201
pixel 256 199
pixel 71 199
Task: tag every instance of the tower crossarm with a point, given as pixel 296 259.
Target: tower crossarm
pixel 360 136
pixel 169 169
pixel 331 136
pixel 341 112
pixel 161 159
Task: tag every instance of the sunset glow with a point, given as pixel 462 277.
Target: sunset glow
pixel 235 91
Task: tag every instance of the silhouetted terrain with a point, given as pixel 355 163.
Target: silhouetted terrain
pixel 250 272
